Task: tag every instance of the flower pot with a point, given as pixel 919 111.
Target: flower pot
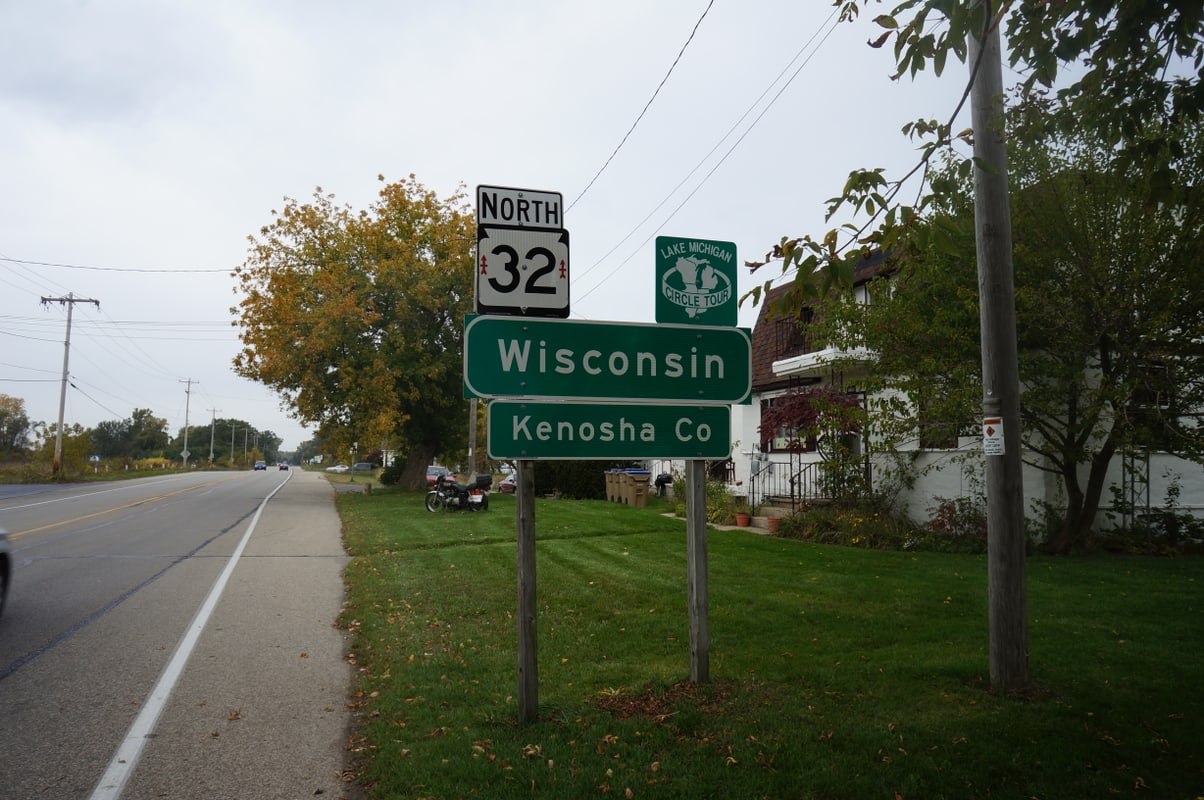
pixel 743 520
pixel 772 524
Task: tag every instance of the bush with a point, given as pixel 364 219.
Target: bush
pixel 580 480
pixel 391 475
pixel 869 525
pixel 721 505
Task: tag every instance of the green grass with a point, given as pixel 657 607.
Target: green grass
pixel 836 672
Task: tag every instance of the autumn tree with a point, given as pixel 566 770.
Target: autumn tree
pixel 14 425
pixel 356 318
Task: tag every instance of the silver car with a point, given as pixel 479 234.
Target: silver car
pixel 6 568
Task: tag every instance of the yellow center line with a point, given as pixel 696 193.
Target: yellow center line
pixel 144 501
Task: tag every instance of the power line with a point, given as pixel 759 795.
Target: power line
pixel 158 270
pixel 725 156
pixel 646 107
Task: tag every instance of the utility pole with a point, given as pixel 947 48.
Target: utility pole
pixel 1007 599
pixel 70 300
pixel 212 432
pixel 233 430
pixel 187 400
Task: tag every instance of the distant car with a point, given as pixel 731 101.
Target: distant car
pixel 283 466
pixel 434 472
pixel 339 468
pixel 362 466
pixel 6 568
pixel 261 465
pixel 508 485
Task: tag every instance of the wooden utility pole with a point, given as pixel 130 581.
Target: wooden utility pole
pixel 70 300
pixel 528 637
pixel 1008 615
pixel 697 594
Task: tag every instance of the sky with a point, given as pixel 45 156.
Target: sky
pixel 144 141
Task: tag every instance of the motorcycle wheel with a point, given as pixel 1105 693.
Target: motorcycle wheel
pixel 435 502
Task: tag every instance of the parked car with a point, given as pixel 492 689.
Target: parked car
pixel 6 568
pixel 339 468
pixel 434 472
pixel 362 466
pixel 261 465
pixel 509 484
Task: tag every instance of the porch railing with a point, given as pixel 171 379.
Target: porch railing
pixel 777 482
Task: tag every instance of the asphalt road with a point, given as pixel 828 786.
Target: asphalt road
pixel 174 638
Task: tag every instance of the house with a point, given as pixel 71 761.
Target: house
pixel 786 358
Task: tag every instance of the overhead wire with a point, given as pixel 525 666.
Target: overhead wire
pixel 647 105
pixel 831 26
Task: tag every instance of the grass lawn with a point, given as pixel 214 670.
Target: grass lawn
pixel 836 672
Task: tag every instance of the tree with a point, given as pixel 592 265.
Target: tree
pixel 357 318
pixel 1110 314
pixel 1138 66
pixel 14 425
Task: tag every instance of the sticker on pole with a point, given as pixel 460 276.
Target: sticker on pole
pixel 992 436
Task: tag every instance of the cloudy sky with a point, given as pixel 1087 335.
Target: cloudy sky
pixel 143 141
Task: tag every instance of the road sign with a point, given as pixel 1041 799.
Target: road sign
pixel 522 271
pixel 524 357
pixel 527 430
pixel 695 281
pixel 519 208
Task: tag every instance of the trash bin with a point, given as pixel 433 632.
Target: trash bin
pixel 624 488
pixel 612 485
pixel 638 493
pixel 663 481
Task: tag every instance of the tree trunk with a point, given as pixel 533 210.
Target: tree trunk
pixel 413 474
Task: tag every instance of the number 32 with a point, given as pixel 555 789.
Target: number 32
pixel 511 267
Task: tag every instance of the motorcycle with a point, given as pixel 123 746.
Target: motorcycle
pixel 453 496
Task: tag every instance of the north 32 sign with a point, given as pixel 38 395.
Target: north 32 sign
pixel 522 271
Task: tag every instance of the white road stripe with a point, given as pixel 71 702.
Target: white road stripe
pixel 113 782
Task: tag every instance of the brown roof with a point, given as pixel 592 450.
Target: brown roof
pixel 778 337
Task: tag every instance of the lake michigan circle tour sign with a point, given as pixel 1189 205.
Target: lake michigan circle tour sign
pixel 695 281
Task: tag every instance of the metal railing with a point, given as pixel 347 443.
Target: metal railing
pixel 777 482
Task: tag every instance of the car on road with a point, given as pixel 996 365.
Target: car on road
pixel 283 466
pixel 339 468
pixel 6 568
pixel 261 465
pixel 434 472
pixel 508 484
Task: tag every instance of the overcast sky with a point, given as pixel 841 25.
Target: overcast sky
pixel 144 140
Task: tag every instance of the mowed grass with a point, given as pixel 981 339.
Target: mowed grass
pixel 836 672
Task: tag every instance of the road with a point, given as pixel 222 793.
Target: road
pixel 174 638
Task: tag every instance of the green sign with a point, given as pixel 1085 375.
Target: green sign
pixel 695 281
pixel 605 431
pixel 513 357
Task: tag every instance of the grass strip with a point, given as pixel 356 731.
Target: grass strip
pixel 838 672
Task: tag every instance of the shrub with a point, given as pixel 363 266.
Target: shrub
pixel 391 475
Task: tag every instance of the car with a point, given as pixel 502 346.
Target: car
pixel 362 466
pixel 339 468
pixel 434 472
pixel 509 484
pixel 6 568
pixel 283 466
pixel 261 465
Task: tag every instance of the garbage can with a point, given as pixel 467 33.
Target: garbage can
pixel 639 487
pixel 612 485
pixel 624 485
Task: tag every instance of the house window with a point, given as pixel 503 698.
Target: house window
pixel 937 433
pixel 783 436
pixel 792 334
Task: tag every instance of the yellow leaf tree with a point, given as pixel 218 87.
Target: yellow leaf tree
pixel 356 318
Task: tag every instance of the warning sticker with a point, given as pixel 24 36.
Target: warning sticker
pixel 992 436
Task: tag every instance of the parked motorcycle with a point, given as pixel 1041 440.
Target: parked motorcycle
pixel 451 495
